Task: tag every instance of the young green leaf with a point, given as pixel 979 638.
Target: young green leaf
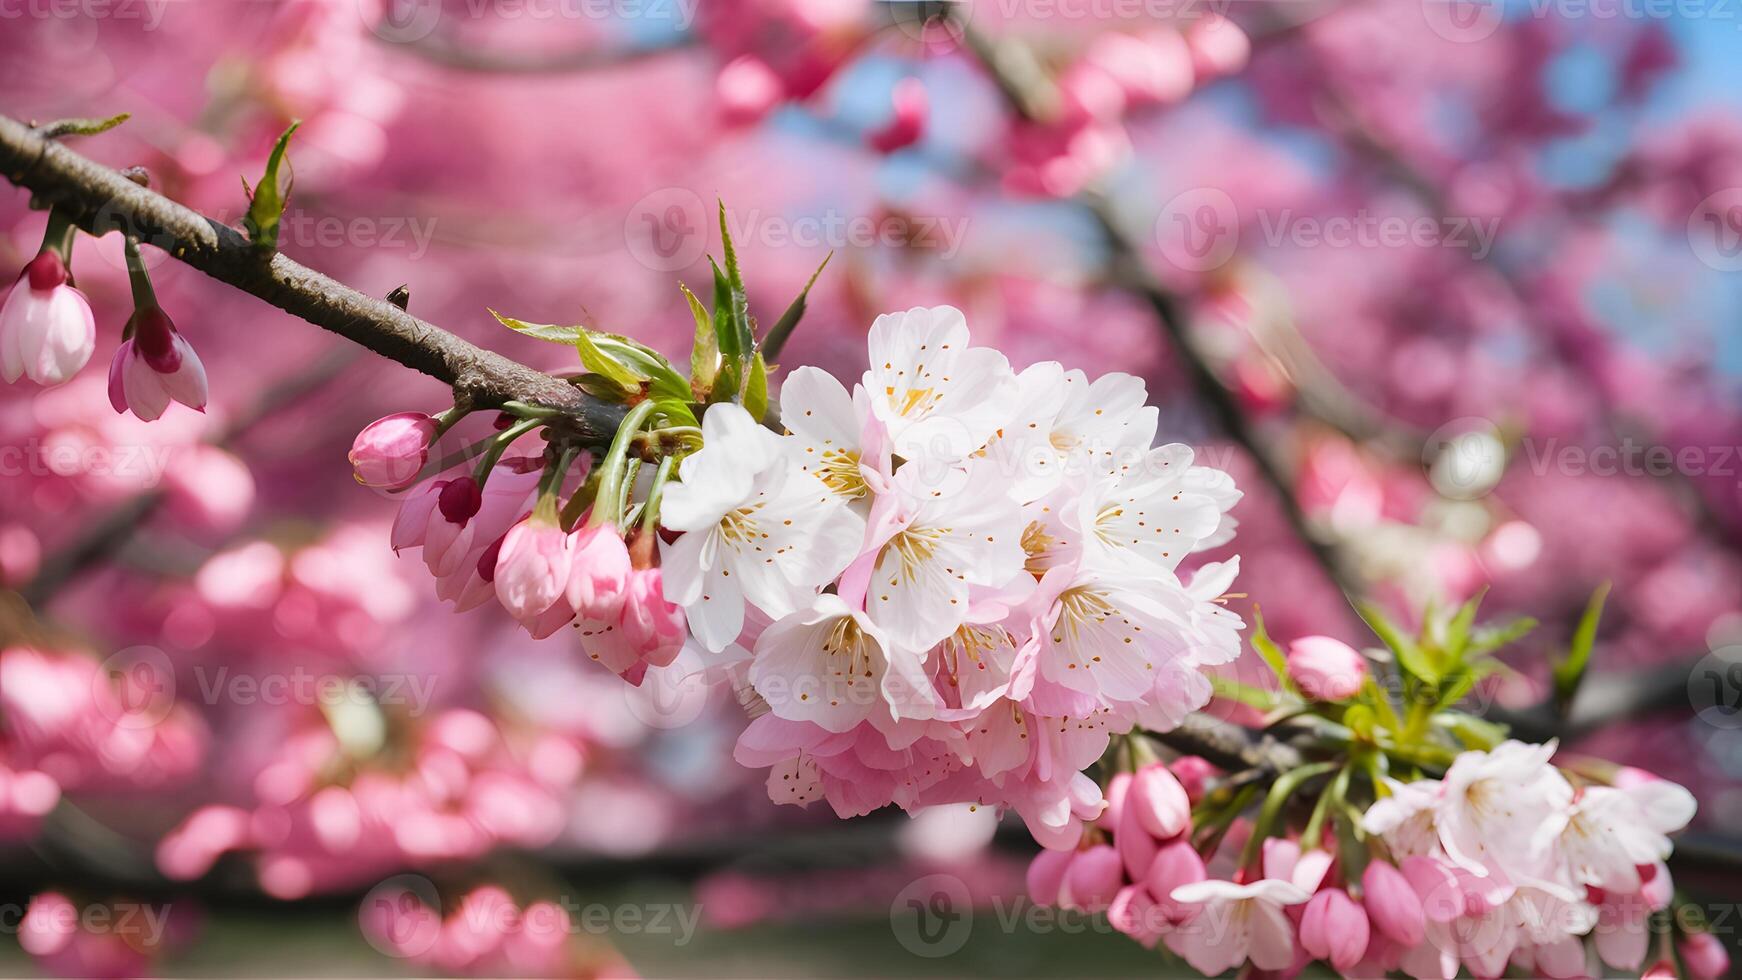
pixel 1268 649
pixel 555 333
pixel 783 327
pixel 1458 631
pixel 1491 638
pixel 704 350
pixel 598 362
pixel 267 202
pixel 652 366
pixel 1569 671
pixel 1409 654
pixel 756 388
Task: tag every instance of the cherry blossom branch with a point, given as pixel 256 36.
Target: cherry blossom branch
pixel 100 200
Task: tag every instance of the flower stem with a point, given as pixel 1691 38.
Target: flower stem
pixel 144 296
pixel 59 236
pixel 498 445
pixel 608 508
pixel 650 513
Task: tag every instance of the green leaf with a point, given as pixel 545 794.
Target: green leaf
pixel 704 350
pixel 1489 639
pixel 1473 732
pixel 1410 655
pixel 651 365
pixel 1458 632
pixel 266 203
pixel 677 411
pixel 1246 694
pixel 555 333
pixel 81 127
pixel 1569 671
pixel 783 327
pixel 1268 649
pixel 602 364
pixel 735 283
pixel 756 388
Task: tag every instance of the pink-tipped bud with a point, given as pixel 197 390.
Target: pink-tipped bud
pixel 1392 904
pixel 1325 669
pixel 1046 876
pixel 390 452
pixel 155 367
pixel 1219 47
pixel 487 561
pixel 1704 956
pixel 905 127
pixel 600 577
pixel 1093 879
pixel 1334 928
pixel 654 626
pixel 460 500
pixel 47 331
pixel 532 568
pixel 746 89
pixel 1175 864
pixel 1160 802
pixel 1192 772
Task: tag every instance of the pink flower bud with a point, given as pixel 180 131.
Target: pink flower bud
pixel 1325 669
pixel 1392 903
pixel 746 89
pixel 653 625
pixel 1175 864
pixel 390 452
pixel 1192 771
pixel 1093 879
pixel 1334 928
pixel 532 568
pixel 155 367
pixel 601 573
pixel 1135 844
pixel 1046 875
pixel 905 127
pixel 1115 793
pixel 1219 46
pixel 47 332
pixel 1135 913
pixel 460 499
pixel 1161 803
pixel 1704 956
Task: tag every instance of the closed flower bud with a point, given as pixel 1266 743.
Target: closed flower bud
pixel 1175 864
pixel 1334 928
pixel 460 500
pixel 532 568
pixel 1393 904
pixel 1093 879
pixel 1160 801
pixel 1704 956
pixel 47 332
pixel 1046 876
pixel 390 452
pixel 1325 669
pixel 601 573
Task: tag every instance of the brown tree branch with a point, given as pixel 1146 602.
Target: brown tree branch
pixel 100 200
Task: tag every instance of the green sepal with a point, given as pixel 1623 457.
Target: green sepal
pixel 266 203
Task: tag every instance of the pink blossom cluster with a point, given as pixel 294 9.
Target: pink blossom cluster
pixel 486 934
pixel 347 800
pixel 953 582
pixel 69 724
pixel 1502 863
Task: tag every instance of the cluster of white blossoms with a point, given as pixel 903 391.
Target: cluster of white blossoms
pixel 953 582
pixel 1511 863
